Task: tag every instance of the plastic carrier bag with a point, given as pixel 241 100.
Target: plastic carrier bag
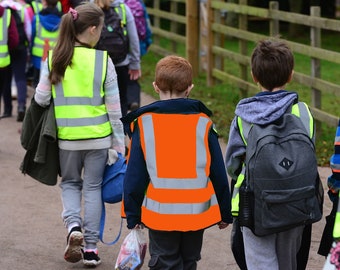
pixel 132 251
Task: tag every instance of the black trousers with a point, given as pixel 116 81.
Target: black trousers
pixel 123 78
pixel 175 250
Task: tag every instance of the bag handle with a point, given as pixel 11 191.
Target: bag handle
pixel 102 224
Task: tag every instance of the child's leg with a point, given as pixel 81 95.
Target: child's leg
pixel 164 250
pixel 133 94
pixel 191 246
pixel 287 246
pixel 7 91
pixel 259 251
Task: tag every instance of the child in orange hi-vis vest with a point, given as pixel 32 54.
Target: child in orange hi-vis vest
pixel 176 183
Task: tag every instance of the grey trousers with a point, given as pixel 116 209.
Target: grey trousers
pixel 275 252
pixel 82 175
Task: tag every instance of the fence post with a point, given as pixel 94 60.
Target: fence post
pixel 156 21
pixel 315 37
pixel 210 37
pixel 192 40
pixel 274 26
pixel 214 39
pixel 203 34
pixel 243 25
pixel 174 24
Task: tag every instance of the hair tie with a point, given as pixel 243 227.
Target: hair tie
pixel 74 13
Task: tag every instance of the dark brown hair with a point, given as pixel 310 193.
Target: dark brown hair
pixel 89 15
pixel 173 74
pixel 272 63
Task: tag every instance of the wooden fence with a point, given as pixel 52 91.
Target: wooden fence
pixel 202 31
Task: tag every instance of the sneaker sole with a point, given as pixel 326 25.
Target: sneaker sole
pixel 73 249
pixel 91 263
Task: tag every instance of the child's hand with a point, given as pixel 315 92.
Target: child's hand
pixel 222 225
pixel 135 74
pixel 139 226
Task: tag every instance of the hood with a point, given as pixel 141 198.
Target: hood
pixel 50 22
pixel 265 107
pixel 50 18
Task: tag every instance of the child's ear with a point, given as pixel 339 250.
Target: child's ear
pixel 93 29
pixel 155 87
pixel 187 92
pixel 290 77
pixel 254 78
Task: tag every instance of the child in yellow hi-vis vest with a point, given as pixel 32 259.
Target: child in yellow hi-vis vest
pixel 82 83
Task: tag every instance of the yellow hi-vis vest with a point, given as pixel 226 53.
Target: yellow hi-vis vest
pixel 41 35
pixel 180 195
pixel 5 20
pixel 299 109
pixel 79 105
pixel 37 6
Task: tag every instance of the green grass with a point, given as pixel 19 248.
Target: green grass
pixel 222 98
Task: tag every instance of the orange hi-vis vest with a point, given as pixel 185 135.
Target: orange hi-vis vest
pixel 180 195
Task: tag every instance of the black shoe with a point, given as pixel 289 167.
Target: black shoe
pixel 91 258
pixel 74 246
pixel 21 114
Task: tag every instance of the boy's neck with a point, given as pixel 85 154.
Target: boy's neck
pixel 168 95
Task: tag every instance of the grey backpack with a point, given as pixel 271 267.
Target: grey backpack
pixel 282 188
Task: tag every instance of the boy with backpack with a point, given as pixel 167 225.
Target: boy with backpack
pixel 120 39
pixel 271 154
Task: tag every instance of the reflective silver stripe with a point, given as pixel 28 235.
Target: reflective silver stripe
pixel 96 100
pixel 4 28
pixel 335 166
pixel 201 158
pixel 337 139
pixel 59 101
pixel 179 208
pixel 77 122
